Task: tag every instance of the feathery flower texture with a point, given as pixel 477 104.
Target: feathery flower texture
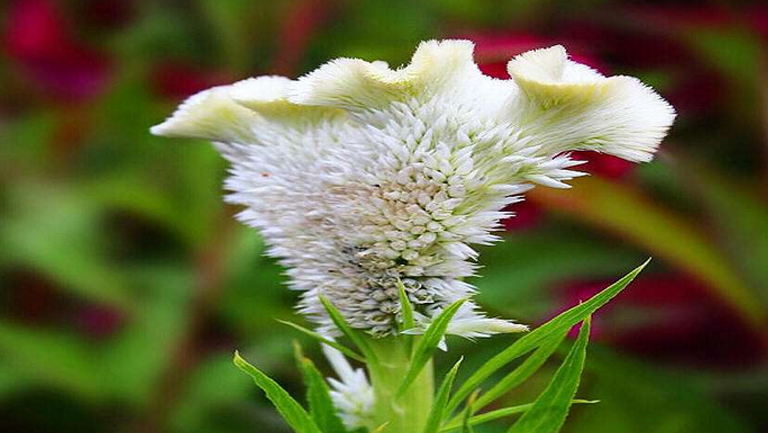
pixel 358 175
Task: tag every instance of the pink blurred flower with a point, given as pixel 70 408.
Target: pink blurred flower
pixel 39 42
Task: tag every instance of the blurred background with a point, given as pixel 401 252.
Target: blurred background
pixel 126 284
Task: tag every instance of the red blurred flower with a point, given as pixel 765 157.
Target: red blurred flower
pixel 36 301
pixel 670 317
pixel 658 41
pixel 302 19
pixel 757 16
pixel 175 80
pixel 108 14
pixel 493 51
pixel 40 43
pixel 99 321
pixel 32 299
pixel 35 29
pixel 527 215
pixel 639 46
pixel 603 165
pixel 673 15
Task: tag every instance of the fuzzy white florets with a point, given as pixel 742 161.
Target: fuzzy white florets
pixel 358 175
pixel 352 394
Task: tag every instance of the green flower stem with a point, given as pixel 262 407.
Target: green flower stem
pixel 408 413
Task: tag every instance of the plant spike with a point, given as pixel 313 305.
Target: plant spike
pixel 406 310
pixel 336 345
pixel 428 344
pixel 437 412
pixel 353 334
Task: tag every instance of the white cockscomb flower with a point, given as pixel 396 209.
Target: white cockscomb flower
pixel 358 175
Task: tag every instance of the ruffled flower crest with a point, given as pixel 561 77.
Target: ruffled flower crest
pixel 360 176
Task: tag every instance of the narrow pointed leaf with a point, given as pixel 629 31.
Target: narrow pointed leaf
pixel 354 335
pixel 522 372
pixel 550 409
pixel 466 427
pixel 340 347
pixel 500 413
pixel 443 393
pixel 406 308
pixel 518 375
pixel 321 407
pixel 428 343
pixel 541 334
pixel 290 409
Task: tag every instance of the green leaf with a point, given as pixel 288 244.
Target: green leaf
pixel 522 372
pixel 227 19
pixel 577 254
pixel 406 308
pixel 134 358
pixel 354 335
pixel 438 406
pixel 466 427
pixel 292 412
pixel 321 407
pixel 428 344
pixel 550 409
pixel 734 51
pixel 340 347
pixel 55 231
pixel 736 230
pixel 52 358
pixel 11 381
pixel 638 397
pixel 211 387
pixel 500 413
pixel 518 375
pixel 617 208
pixel 541 334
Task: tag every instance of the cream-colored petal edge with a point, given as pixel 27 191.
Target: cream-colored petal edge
pixel 210 115
pixel 230 113
pixel 357 84
pixel 619 115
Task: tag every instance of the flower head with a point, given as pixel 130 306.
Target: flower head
pixel 359 176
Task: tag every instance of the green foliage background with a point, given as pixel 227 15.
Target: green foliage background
pixel 126 284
